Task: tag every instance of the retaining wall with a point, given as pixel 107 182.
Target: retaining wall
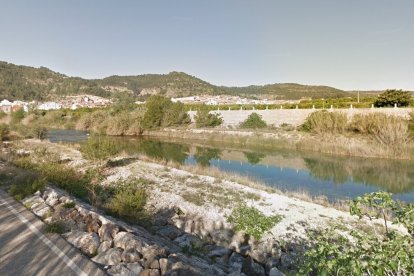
pixel 296 117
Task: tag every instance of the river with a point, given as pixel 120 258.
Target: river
pixel 287 170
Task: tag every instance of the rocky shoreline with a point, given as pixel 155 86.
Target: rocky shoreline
pixel 189 232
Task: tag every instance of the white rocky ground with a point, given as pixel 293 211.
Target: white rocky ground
pixel 189 214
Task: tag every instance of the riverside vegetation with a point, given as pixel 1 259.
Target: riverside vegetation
pixel 339 250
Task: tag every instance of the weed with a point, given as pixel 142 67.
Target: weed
pixel 57 227
pixel 252 221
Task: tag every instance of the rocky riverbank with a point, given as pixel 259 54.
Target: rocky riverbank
pixel 189 232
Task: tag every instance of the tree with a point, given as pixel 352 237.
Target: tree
pixel 206 119
pixel 392 97
pixel 253 121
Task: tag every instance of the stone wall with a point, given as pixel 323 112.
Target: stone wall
pixel 296 117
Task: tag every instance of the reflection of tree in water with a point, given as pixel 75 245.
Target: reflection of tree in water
pixel 155 149
pixel 165 150
pixel 392 176
pixel 254 157
pixel 204 155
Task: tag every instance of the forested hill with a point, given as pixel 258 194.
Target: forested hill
pixel 29 83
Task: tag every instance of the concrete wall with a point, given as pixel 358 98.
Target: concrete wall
pixel 296 117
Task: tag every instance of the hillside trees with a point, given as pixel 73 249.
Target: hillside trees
pixel 393 97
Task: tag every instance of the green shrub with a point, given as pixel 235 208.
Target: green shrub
pixel 37 131
pixel 69 205
pixel 204 118
pixel 23 187
pixel 393 97
pixel 385 129
pixel 57 227
pixel 98 148
pixel 253 121
pixel 333 253
pixel 325 122
pixel 161 111
pixel 17 116
pixel 4 131
pixel 128 202
pixel 251 221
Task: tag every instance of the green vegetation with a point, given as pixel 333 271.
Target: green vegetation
pixel 98 148
pixel 69 205
pixel 321 122
pixel 25 186
pixel 204 118
pixel 57 227
pixel 385 129
pixel 162 112
pixel 4 132
pixel 17 116
pixel 253 121
pixel 391 253
pixel 393 97
pixel 129 201
pixel 252 221
pixel 28 83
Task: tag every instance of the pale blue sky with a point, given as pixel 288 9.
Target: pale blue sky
pixel 353 44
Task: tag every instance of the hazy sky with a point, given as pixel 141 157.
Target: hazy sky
pixel 353 44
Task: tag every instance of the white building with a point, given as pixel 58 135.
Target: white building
pixel 49 106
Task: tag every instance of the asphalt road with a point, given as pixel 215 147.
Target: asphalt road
pixel 26 250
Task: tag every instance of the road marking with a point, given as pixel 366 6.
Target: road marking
pixel 45 240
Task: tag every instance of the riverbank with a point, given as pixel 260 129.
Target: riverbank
pixel 199 205
pixel 334 144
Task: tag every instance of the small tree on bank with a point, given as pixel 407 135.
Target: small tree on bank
pixel 393 97
pixel 253 121
pixel 204 118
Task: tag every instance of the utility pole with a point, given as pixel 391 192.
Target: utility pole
pixel 358 96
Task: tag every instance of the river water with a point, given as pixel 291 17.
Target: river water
pixel 287 170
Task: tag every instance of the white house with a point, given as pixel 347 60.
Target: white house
pixel 49 106
pixel 6 106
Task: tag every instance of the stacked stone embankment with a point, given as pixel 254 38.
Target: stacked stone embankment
pixel 297 117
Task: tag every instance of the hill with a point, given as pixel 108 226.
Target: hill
pixel 29 83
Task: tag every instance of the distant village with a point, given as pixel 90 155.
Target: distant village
pixel 90 101
pixel 67 102
pixel 228 100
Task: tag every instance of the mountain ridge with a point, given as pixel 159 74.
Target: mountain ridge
pixel 31 83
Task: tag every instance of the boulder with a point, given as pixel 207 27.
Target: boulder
pixel 170 232
pixel 41 210
pixel 105 245
pixel 135 268
pixel 88 243
pixel 218 251
pixel 188 241
pixel 236 262
pixel 108 231
pixel 131 255
pixel 275 272
pixel 127 240
pixel 110 257
pixel 252 268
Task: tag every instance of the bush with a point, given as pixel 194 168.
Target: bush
pixel 161 111
pixel 128 202
pixel 325 122
pixel 37 131
pixel 253 121
pixel 23 187
pixel 57 227
pixel 251 221
pixel 385 129
pixel 98 148
pixel 204 118
pixel 17 116
pixel 4 131
pixel 334 253
pixel 393 97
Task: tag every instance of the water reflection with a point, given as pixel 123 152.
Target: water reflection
pixel 335 177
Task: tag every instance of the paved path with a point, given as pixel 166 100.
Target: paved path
pixel 26 250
